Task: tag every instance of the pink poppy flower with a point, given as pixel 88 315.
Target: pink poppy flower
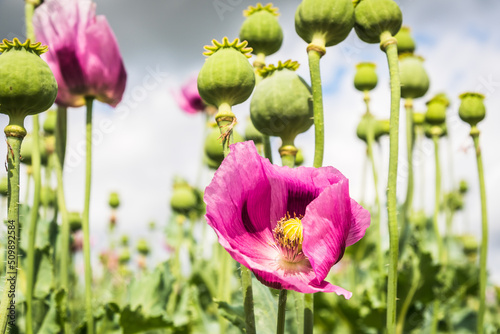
pixel 289 226
pixel 83 52
pixel 188 97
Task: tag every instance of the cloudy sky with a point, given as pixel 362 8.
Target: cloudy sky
pixel 151 140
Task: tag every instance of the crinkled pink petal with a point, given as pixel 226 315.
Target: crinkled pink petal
pixel 359 224
pixel 326 226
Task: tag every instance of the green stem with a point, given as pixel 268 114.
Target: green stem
pixel 376 218
pixel 317 95
pixel 299 311
pixel 85 218
pixel 484 240
pixel 415 282
pixel 288 160
pixel 30 261
pixel 8 306
pixel 246 283
pixel 281 312
pixel 389 45
pixel 61 126
pixel 407 206
pixel 437 200
pixel 268 153
pixel 308 313
pixel 61 207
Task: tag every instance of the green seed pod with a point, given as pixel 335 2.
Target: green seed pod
pixel 281 105
pixel 4 186
pixel 48 196
pixel 49 125
pixel 454 201
pixel 27 151
pixel 472 109
pixel 369 123
pixel 324 22
pixel 183 199
pixel 374 17
pixel 226 76
pixel 114 200
pixel 261 29
pixel 143 247
pixel 463 187
pixel 299 158
pixel 251 133
pixel 418 118
pixel 382 128
pixel 124 256
pixel 414 79
pixel 28 86
pixel 124 240
pixel 213 146
pixel 470 244
pixel 436 109
pixel 75 221
pixel 406 44
pixel 365 78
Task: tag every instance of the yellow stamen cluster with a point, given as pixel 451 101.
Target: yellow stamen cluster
pixel 225 44
pixel 288 235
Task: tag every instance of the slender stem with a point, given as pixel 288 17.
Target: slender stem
pixel 281 312
pixel 28 184
pixel 61 126
pixel 299 310
pixel 376 218
pixel 308 313
pixel 85 219
pixel 246 283
pixel 437 200
pixel 389 45
pixel 268 153
pixel 288 160
pixel 61 207
pixel 407 206
pixel 415 282
pixel 484 241
pixel 317 95
pixel 30 265
pixel 8 306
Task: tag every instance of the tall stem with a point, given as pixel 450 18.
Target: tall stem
pixel 484 227
pixel 376 223
pixel 308 313
pixel 437 200
pixel 246 283
pixel 8 313
pixel 389 45
pixel 407 206
pixel 281 312
pixel 317 95
pixel 85 218
pixel 30 265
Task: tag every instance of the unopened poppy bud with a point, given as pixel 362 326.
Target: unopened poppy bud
pixel 49 125
pixel 28 86
pixel 414 79
pixel 4 186
pixel 251 133
pixel 374 17
pixel 75 221
pixel 114 200
pixel 472 109
pixel 27 151
pixel 463 187
pixel 299 158
pixel 143 247
pixel 124 256
pixel 365 78
pixel 406 44
pixel 418 118
pixel 213 146
pixel 261 29
pixel 281 105
pixel 48 196
pixel 324 23
pixel 183 199
pixel 226 76
pixel 436 110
